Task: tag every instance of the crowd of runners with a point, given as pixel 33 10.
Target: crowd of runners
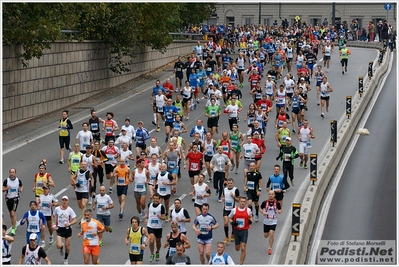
pixel 106 156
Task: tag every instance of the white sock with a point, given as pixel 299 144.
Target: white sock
pixel 155 117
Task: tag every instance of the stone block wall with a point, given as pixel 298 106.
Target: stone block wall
pixel 68 73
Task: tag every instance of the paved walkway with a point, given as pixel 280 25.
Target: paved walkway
pixel 16 136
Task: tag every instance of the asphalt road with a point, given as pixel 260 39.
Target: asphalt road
pixel 26 159
pixel 368 192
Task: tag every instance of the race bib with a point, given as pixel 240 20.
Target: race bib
pixel 251 185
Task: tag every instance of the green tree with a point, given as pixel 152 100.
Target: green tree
pixel 122 27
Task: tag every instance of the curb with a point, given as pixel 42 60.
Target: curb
pixel 310 204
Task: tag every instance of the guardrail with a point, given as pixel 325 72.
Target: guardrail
pixel 310 204
pixel 186 36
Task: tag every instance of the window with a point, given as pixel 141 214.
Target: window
pixel 315 21
pixel 229 20
pixel 248 20
pixel 267 21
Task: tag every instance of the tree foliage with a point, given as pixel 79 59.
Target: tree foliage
pixel 122 27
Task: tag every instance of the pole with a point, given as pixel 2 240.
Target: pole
pixel 260 13
pixel 333 14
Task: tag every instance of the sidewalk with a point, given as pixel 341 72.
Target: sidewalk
pixel 29 131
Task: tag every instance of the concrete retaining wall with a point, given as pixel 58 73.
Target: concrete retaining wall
pixel 297 251
pixel 67 73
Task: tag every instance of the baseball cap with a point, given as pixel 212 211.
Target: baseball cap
pixel 302 79
pixel 33 236
pixel 269 76
pixel 65 197
pixel 45 186
pixel 256 132
pixel 123 129
pixel 288 138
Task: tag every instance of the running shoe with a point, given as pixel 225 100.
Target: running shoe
pixel 301 164
pixel 110 190
pixel 151 257
pixel 305 166
pixel 166 217
pixel 269 251
pixel 111 229
pixel 232 238
pixel 346 70
pixel 322 115
pixel 101 243
pixel 121 216
pixel 343 72
pixel 256 218
pixel 219 199
pixel 232 166
pixel 292 182
pixel 193 199
pixel 209 180
pixel 166 139
pixel 293 130
pixel 12 233
pixel 326 109
pixel 157 256
pixel 154 123
pixel 226 240
pixel 236 171
pixel 62 251
pixel 62 161
pixel 43 245
pixel 65 261
pixel 51 240
pixel 90 201
pixel 158 129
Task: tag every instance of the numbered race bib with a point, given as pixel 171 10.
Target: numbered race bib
pixel 194 166
pixel 209 69
pixel 240 222
pixel 203 229
pixel 169 116
pixel 287 157
pixel 121 181
pixel 154 221
pixel 160 109
pixel 94 126
pixel 88 235
pixel 45 204
pixel 225 149
pixel 76 160
pixel 308 144
pixel 234 143
pixel 135 248
pixel 139 187
pixel 172 251
pixel 100 206
pixel 108 130
pixel 171 164
pixel 229 204
pixel 13 190
pixel 251 185
pixel 275 186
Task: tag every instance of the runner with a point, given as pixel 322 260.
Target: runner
pixel 6 246
pixel 278 183
pixel 270 208
pixel 213 113
pixel 304 134
pixel 127 154
pixel 121 174
pixel 172 157
pixel 325 90
pixel 241 219
pixel 160 101
pixel 287 154
pixel 169 89
pixel 142 135
pixel 195 160
pixel 199 128
pixel 219 163
pixel 123 138
pixel 178 70
pixel 200 194
pixel 74 160
pixel 130 131
pixel 84 138
pixel 90 230
pixel 110 126
pixel 180 215
pixel 64 218
pixel 154 217
pixel 46 203
pixel 164 182
pixel 154 93
pixel 13 188
pixel 179 258
pixel 221 258
pixel 318 75
pixel 236 141
pixel 103 203
pixel 112 153
pixel 137 238
pixel 42 178
pixel 141 177
pixel 174 237
pixel 153 169
pixel 36 222
pixel 210 146
pixel 203 225
pixel 65 134
pixel 32 253
pixel 94 124
pixel 98 167
pixel 229 197
pixel 248 153
pixel 233 111
pixel 262 149
pixel 253 183
pixel 344 54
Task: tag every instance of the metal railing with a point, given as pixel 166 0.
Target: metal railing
pixel 186 36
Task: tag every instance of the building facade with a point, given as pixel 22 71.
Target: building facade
pixel 236 13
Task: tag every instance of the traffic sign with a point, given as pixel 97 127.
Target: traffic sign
pixel 205 28
pixel 313 167
pixel 387 6
pixel 221 28
pixel 360 85
pixel 296 214
pixel 348 106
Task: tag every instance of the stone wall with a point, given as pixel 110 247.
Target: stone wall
pixel 67 73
